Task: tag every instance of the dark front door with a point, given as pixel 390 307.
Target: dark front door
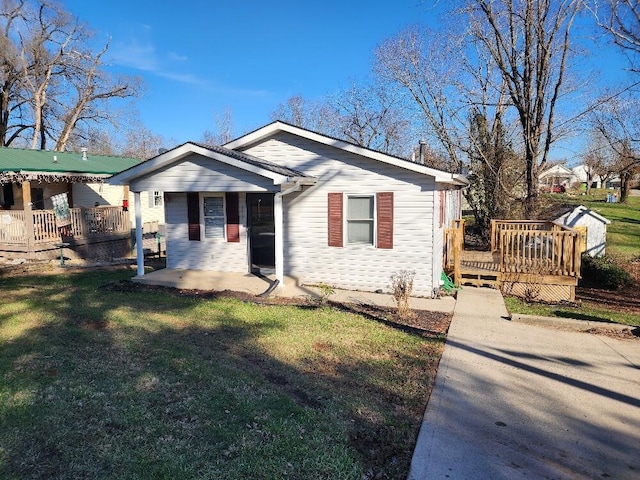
pixel 262 235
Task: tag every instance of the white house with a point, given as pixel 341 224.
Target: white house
pixel 301 204
pixel 557 175
pixel 593 226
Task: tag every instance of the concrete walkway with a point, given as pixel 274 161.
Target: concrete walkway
pixel 513 400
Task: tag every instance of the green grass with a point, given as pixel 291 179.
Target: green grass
pixel 623 234
pixel 584 312
pixel 103 383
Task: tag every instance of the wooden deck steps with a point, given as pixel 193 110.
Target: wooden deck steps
pixel 479 269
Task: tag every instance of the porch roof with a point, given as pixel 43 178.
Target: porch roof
pixel 278 173
pixel 47 162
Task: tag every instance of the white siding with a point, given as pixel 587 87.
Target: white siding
pixel 306 251
pixel 87 194
pixel 596 228
pixel 200 174
pixel 206 254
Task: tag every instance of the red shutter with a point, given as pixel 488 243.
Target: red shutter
pixel 233 218
pixel 335 219
pixel 384 201
pixel 193 215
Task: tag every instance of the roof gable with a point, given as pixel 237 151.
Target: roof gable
pixel 580 211
pixel 276 127
pixel 277 173
pixel 557 170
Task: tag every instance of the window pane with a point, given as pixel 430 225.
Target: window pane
pixel 360 208
pixel 214 227
pixel 213 207
pixel 213 217
pixel 360 232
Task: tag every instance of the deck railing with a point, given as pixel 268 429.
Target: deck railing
pixel 453 246
pixel 85 223
pixel 543 248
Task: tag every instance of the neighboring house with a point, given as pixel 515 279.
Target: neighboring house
pixel 592 225
pixel 30 178
pixel 287 200
pixel 556 175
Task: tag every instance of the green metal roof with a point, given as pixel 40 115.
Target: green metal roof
pixel 46 161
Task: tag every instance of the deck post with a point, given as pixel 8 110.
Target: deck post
pixel 139 249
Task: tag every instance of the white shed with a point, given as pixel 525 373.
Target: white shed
pixel 593 225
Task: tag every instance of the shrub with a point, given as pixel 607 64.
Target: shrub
pixel 401 288
pixel 603 272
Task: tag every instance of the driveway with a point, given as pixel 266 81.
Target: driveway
pixel 513 401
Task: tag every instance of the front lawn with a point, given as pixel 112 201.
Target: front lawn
pixel 107 383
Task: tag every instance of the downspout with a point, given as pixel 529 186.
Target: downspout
pixel 278 221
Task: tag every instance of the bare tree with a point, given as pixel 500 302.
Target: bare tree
pixel 618 122
pixel 370 116
pixel 12 98
pixel 89 88
pixel 461 96
pixel 529 41
pixel 141 143
pixel 418 61
pixel 316 116
pixel 51 82
pixel 224 129
pixel 621 18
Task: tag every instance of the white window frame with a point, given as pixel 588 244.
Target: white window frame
pixel 156 201
pixel 203 217
pixel 374 220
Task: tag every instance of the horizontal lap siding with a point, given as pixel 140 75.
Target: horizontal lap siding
pixel 205 254
pixel 307 254
pixel 202 174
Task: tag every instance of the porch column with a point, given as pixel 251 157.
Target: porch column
pixel 279 244
pixel 29 229
pixel 139 249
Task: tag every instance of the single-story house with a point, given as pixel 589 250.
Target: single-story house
pixel 556 175
pixel 31 179
pixel 289 201
pixel 592 225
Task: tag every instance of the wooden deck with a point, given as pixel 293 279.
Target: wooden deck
pixel 531 259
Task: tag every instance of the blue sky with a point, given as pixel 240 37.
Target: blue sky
pixel 201 58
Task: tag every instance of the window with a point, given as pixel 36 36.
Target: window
pixel 369 219
pixel 360 221
pixel 213 213
pixel 155 199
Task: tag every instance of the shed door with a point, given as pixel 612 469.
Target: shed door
pixel 262 232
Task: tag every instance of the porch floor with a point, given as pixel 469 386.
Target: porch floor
pixel 255 285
